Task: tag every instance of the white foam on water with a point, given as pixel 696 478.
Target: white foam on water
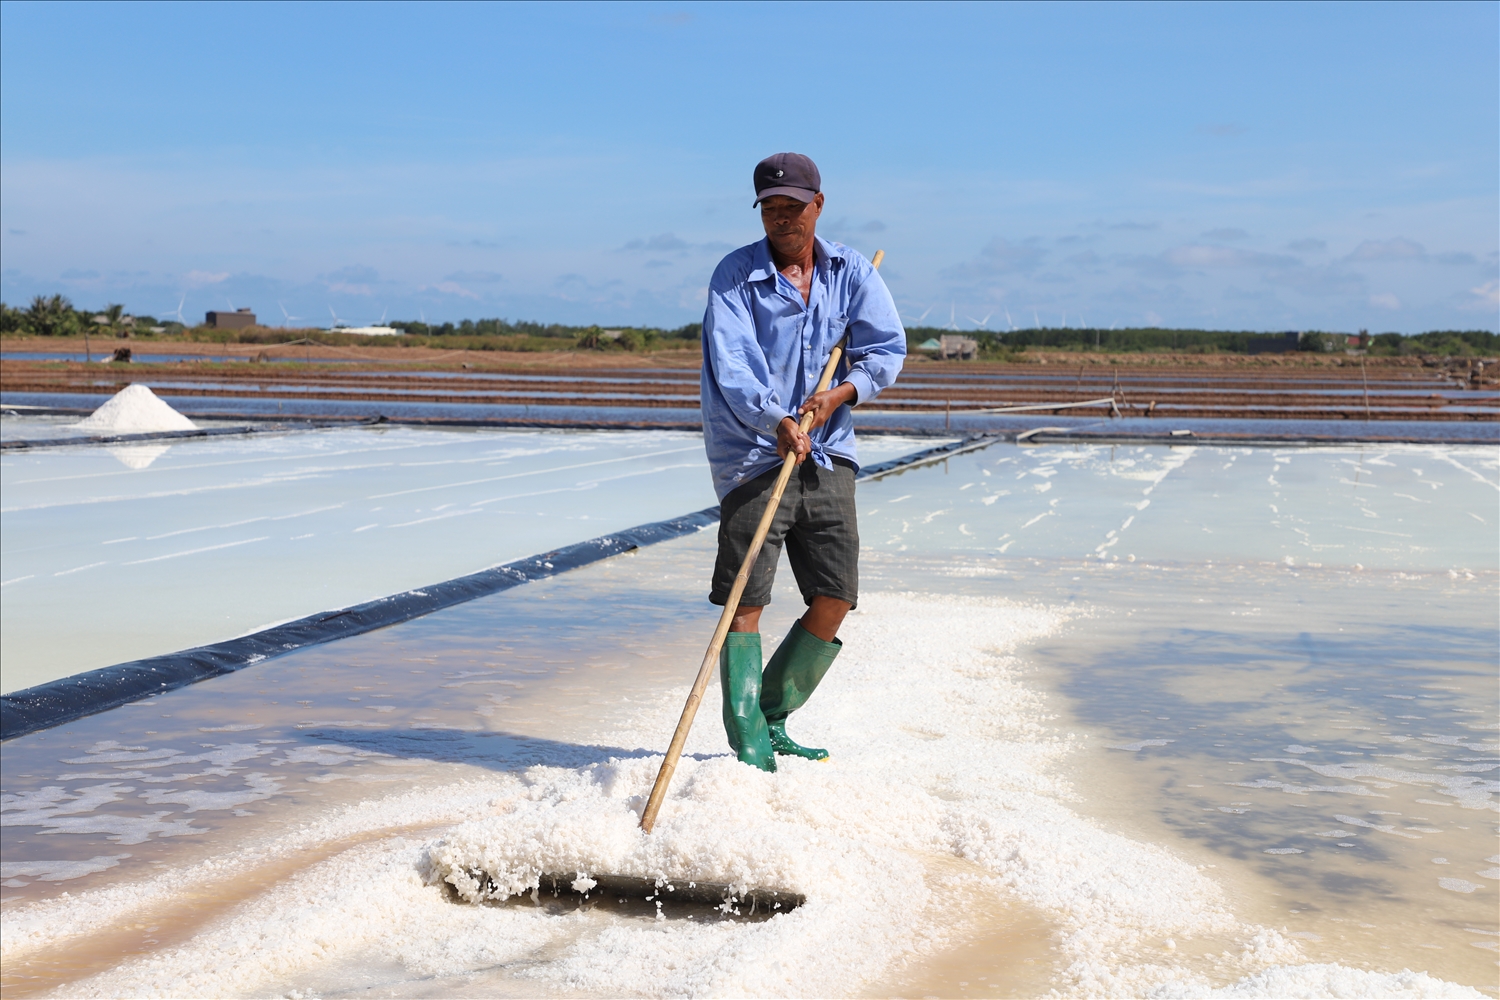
pixel 58 871
pixel 940 750
pixel 135 409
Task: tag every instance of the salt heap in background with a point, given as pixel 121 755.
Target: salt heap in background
pixel 135 409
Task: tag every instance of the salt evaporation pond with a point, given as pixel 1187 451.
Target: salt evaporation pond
pixel 1130 721
pixel 119 552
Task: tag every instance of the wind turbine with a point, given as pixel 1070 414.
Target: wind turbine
pixel 920 318
pixel 1036 319
pixel 336 320
pixel 952 320
pixel 1010 322
pixel 180 303
pixel 383 311
pixel 286 317
pixel 980 323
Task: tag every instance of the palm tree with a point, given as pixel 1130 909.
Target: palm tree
pixel 112 315
pixel 51 317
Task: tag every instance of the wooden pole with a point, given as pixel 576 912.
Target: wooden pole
pixel 731 605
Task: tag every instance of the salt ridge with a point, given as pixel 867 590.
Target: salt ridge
pixel 940 750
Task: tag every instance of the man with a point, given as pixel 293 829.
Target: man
pixel 776 309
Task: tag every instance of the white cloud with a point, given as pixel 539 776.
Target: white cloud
pixel 660 243
pixel 1385 300
pixel 1198 255
pixel 450 288
pixel 1322 282
pixel 1396 249
pixel 1000 256
pixel 200 278
pixel 1488 293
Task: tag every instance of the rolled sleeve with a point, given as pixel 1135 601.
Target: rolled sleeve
pixel 864 386
pixel 877 340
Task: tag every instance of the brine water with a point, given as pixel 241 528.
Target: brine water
pixel 1108 721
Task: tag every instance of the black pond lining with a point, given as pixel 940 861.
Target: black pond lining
pixel 95 691
pixel 22 444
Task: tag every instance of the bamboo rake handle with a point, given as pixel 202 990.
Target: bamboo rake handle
pixel 731 605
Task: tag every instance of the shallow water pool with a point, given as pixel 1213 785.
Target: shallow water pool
pixel 117 552
pixel 1055 767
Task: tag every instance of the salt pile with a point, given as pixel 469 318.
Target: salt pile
pixel 135 409
pixel 950 789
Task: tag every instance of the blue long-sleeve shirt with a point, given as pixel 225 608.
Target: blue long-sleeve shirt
pixel 763 351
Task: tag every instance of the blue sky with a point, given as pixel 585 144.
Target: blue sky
pixel 1235 166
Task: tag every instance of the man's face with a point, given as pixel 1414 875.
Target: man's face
pixel 790 223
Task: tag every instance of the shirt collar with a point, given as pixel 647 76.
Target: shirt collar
pixel 825 254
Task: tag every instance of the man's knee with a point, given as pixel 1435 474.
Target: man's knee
pixel 746 619
pixel 824 617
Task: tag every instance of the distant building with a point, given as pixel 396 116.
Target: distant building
pixel 961 348
pixel 237 320
pixel 1274 343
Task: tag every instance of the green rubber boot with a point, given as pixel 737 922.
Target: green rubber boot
pixel 796 667
pixel 739 680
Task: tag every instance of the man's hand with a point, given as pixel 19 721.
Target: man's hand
pixel 822 404
pixel 789 438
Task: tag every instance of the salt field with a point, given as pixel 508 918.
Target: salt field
pixel 132 550
pixel 1110 721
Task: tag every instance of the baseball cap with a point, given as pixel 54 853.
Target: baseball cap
pixel 791 174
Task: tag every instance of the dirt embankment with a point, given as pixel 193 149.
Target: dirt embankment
pixel 1278 388
pixel 372 355
pixel 385 353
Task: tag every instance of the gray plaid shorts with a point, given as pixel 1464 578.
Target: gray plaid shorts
pixel 816 522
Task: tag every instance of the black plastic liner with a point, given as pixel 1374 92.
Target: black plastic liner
pixel 21 444
pixel 94 691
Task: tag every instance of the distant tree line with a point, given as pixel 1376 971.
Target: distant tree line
pixel 55 316
pixel 1155 339
pixel 594 337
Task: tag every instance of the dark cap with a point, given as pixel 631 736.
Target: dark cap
pixel 791 174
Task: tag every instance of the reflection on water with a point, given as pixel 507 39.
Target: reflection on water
pixel 1339 753
pixel 1287 665
pixel 138 456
